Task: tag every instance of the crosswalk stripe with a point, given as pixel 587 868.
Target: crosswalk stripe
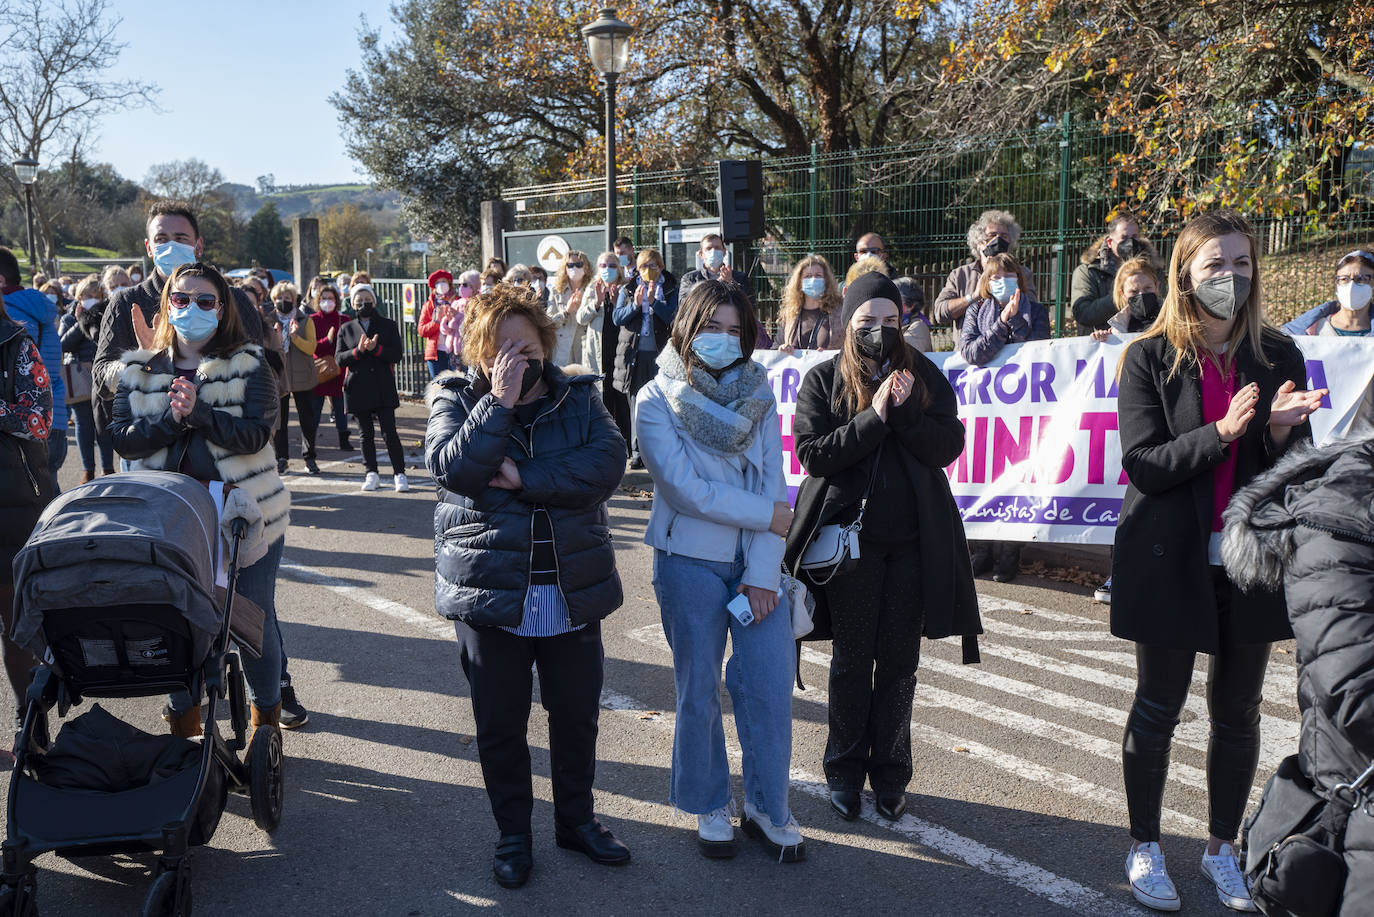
pixel 1280 681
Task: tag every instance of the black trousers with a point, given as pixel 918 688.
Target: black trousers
pixel 497 664
pixel 618 406
pixel 876 616
pixel 1235 683
pixel 305 409
pixel 386 419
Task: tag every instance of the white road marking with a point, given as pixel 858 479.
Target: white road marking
pixel 1280 681
pixel 1069 784
pixel 996 863
pixel 429 623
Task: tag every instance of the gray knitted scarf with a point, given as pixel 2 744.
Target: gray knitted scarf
pixel 722 414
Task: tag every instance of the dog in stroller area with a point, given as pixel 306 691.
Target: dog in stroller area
pixel 116 593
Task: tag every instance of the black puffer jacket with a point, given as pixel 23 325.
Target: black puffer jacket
pixel 571 466
pixel 1308 524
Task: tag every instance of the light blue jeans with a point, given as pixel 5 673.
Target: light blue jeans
pixel 263 675
pixel 692 595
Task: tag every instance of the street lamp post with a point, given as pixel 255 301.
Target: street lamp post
pixel 369 262
pixel 26 170
pixel 608 43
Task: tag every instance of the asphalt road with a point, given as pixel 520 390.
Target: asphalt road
pixel 1016 807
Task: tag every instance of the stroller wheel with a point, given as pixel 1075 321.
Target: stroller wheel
pixel 265 777
pixel 19 900
pixel 163 900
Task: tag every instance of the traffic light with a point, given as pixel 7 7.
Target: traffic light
pixel 741 199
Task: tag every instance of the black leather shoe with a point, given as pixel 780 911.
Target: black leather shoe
pixel 514 860
pixel 846 802
pixel 594 840
pixel 1008 564
pixel 890 805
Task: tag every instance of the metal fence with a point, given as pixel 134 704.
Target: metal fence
pixel 923 195
pixel 411 373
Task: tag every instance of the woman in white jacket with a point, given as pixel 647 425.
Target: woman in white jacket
pixel 565 299
pixel 708 432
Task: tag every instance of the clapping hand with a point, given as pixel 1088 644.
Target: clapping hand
pixel 725 273
pixel 182 398
pixel 1239 414
pixel 142 330
pixel 1291 407
pixel 1012 308
pixel 368 343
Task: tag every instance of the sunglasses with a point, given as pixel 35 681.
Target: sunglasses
pixel 576 264
pixel 207 301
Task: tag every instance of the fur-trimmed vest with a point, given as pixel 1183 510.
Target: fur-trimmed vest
pixel 223 385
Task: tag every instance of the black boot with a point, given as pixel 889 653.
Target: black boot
pixel 980 553
pixel 1008 562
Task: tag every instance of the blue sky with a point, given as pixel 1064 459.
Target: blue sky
pixel 222 65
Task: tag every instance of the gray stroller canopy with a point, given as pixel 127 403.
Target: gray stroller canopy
pixel 137 538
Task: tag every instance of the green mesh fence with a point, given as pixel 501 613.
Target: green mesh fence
pixel 922 196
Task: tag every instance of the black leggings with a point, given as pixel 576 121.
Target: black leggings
pixel 386 419
pixel 1235 681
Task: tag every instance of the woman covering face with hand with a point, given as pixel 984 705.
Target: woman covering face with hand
pixel 874 429
pixel 1209 398
pixel 525 459
pixel 203 401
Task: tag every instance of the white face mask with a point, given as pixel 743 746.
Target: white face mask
pixel 89 302
pixel 1353 296
pixel 441 288
pixel 114 290
pixel 136 278
pixel 52 298
pixel 538 286
pixel 328 305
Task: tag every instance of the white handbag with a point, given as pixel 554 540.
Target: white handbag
pixel 834 549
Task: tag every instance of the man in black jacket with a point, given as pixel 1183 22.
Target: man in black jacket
pixel 715 266
pixel 173 239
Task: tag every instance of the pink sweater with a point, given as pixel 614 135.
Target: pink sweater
pixel 1217 392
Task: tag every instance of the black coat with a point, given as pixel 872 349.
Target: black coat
pixel 25 485
pixel 1161 583
pixel 75 339
pixel 571 465
pixel 370 383
pixel 837 452
pixel 627 352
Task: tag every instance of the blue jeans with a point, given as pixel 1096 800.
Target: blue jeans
pixel 437 366
pixel 83 416
pixel 263 675
pixel 57 454
pixel 692 595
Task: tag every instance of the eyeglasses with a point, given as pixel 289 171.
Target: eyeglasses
pixel 1358 278
pixel 207 301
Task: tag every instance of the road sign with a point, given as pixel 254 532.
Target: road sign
pixel 420 248
pixel 409 297
pixel 552 251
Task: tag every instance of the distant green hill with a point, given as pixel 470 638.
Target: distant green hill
pixel 382 206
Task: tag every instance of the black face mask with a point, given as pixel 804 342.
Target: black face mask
pixel 997 246
pixel 1127 249
pixel 534 371
pixel 877 343
pixel 284 308
pixel 367 310
pixel 1142 308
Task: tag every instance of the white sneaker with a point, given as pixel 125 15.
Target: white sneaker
pixel 370 482
pixel 1150 884
pixel 716 834
pixel 784 840
pixel 400 484
pixel 1224 871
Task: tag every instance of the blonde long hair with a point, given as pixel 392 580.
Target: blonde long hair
pixel 793 298
pixel 1180 320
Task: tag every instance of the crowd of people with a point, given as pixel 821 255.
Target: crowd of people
pixel 545 387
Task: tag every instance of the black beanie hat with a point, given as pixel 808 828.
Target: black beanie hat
pixel 873 285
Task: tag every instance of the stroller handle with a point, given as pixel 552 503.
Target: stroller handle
pixel 237 527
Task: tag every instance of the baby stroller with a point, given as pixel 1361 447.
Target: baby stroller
pixel 116 592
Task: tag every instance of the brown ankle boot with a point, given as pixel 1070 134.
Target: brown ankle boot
pixel 87 477
pixel 260 717
pixel 184 725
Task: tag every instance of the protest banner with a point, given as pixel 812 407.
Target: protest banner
pixel 1042 458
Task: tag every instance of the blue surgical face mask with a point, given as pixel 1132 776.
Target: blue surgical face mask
pixel 1002 288
pixel 609 275
pixel 713 258
pixel 813 286
pixel 168 256
pixel 193 324
pixel 625 261
pixel 717 349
